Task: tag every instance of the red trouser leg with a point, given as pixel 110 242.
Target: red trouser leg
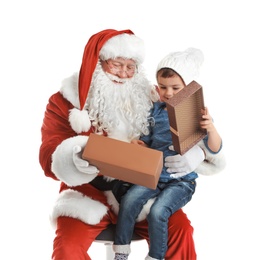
pixel 73 238
pixel 180 237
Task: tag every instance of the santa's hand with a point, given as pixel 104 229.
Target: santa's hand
pixel 82 165
pixel 186 163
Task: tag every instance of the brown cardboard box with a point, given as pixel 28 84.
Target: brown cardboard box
pixel 125 161
pixel 184 111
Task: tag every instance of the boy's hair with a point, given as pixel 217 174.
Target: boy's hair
pixel 167 73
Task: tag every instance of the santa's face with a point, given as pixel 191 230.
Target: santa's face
pixel 119 69
pixel 119 95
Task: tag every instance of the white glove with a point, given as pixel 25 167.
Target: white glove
pixel 181 165
pixel 82 165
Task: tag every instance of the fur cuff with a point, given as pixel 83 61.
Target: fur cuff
pixel 74 204
pixel 62 162
pixel 213 164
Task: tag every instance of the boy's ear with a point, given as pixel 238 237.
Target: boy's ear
pixel 157 88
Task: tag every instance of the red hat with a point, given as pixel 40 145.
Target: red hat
pixel 105 45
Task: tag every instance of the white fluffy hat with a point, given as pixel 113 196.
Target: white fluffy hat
pixel 124 45
pixel 186 63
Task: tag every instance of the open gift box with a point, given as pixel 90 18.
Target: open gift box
pixel 125 161
pixel 184 111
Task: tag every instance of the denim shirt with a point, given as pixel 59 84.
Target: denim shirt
pixel 160 138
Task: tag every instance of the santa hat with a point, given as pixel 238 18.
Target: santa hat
pixel 186 63
pixel 107 44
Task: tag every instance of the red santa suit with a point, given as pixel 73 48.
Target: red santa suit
pixel 81 211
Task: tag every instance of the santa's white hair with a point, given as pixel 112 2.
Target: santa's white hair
pixel 131 100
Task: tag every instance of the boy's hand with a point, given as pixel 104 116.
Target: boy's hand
pixel 138 142
pixel 206 122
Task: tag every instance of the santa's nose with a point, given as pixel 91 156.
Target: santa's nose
pixel 123 74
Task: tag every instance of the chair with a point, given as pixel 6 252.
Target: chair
pixel 107 237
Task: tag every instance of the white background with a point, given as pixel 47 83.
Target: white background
pixel 42 42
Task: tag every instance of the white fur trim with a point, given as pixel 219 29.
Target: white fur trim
pixel 69 89
pixel 124 45
pixel 111 200
pixel 213 164
pixel 145 210
pixel 74 204
pixel 79 120
pixel 62 162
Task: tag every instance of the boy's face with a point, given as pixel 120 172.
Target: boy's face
pixel 169 86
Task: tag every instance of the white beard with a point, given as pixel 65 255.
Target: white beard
pixel 114 106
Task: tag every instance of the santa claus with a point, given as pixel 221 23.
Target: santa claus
pixel 112 96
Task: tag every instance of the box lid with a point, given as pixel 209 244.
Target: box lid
pixel 184 111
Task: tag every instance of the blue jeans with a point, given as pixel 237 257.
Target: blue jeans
pixel 170 197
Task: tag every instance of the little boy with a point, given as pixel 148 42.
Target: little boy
pixel 174 190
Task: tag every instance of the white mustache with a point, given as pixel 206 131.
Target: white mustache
pixel 115 78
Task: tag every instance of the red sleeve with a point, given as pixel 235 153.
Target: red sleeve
pixel 54 130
